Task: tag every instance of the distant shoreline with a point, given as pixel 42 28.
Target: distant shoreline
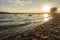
pixel 20 13
pixel 23 13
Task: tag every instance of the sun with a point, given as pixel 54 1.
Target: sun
pixel 46 8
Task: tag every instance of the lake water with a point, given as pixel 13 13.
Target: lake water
pixel 14 19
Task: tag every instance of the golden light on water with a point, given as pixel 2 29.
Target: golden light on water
pixel 46 8
pixel 46 18
pixel 45 15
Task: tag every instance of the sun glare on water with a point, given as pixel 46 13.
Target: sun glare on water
pixel 46 18
pixel 46 8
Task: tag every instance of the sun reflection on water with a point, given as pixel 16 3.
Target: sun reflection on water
pixel 47 17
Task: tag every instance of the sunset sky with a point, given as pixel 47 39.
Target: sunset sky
pixel 26 5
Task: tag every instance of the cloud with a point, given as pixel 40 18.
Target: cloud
pixel 20 2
